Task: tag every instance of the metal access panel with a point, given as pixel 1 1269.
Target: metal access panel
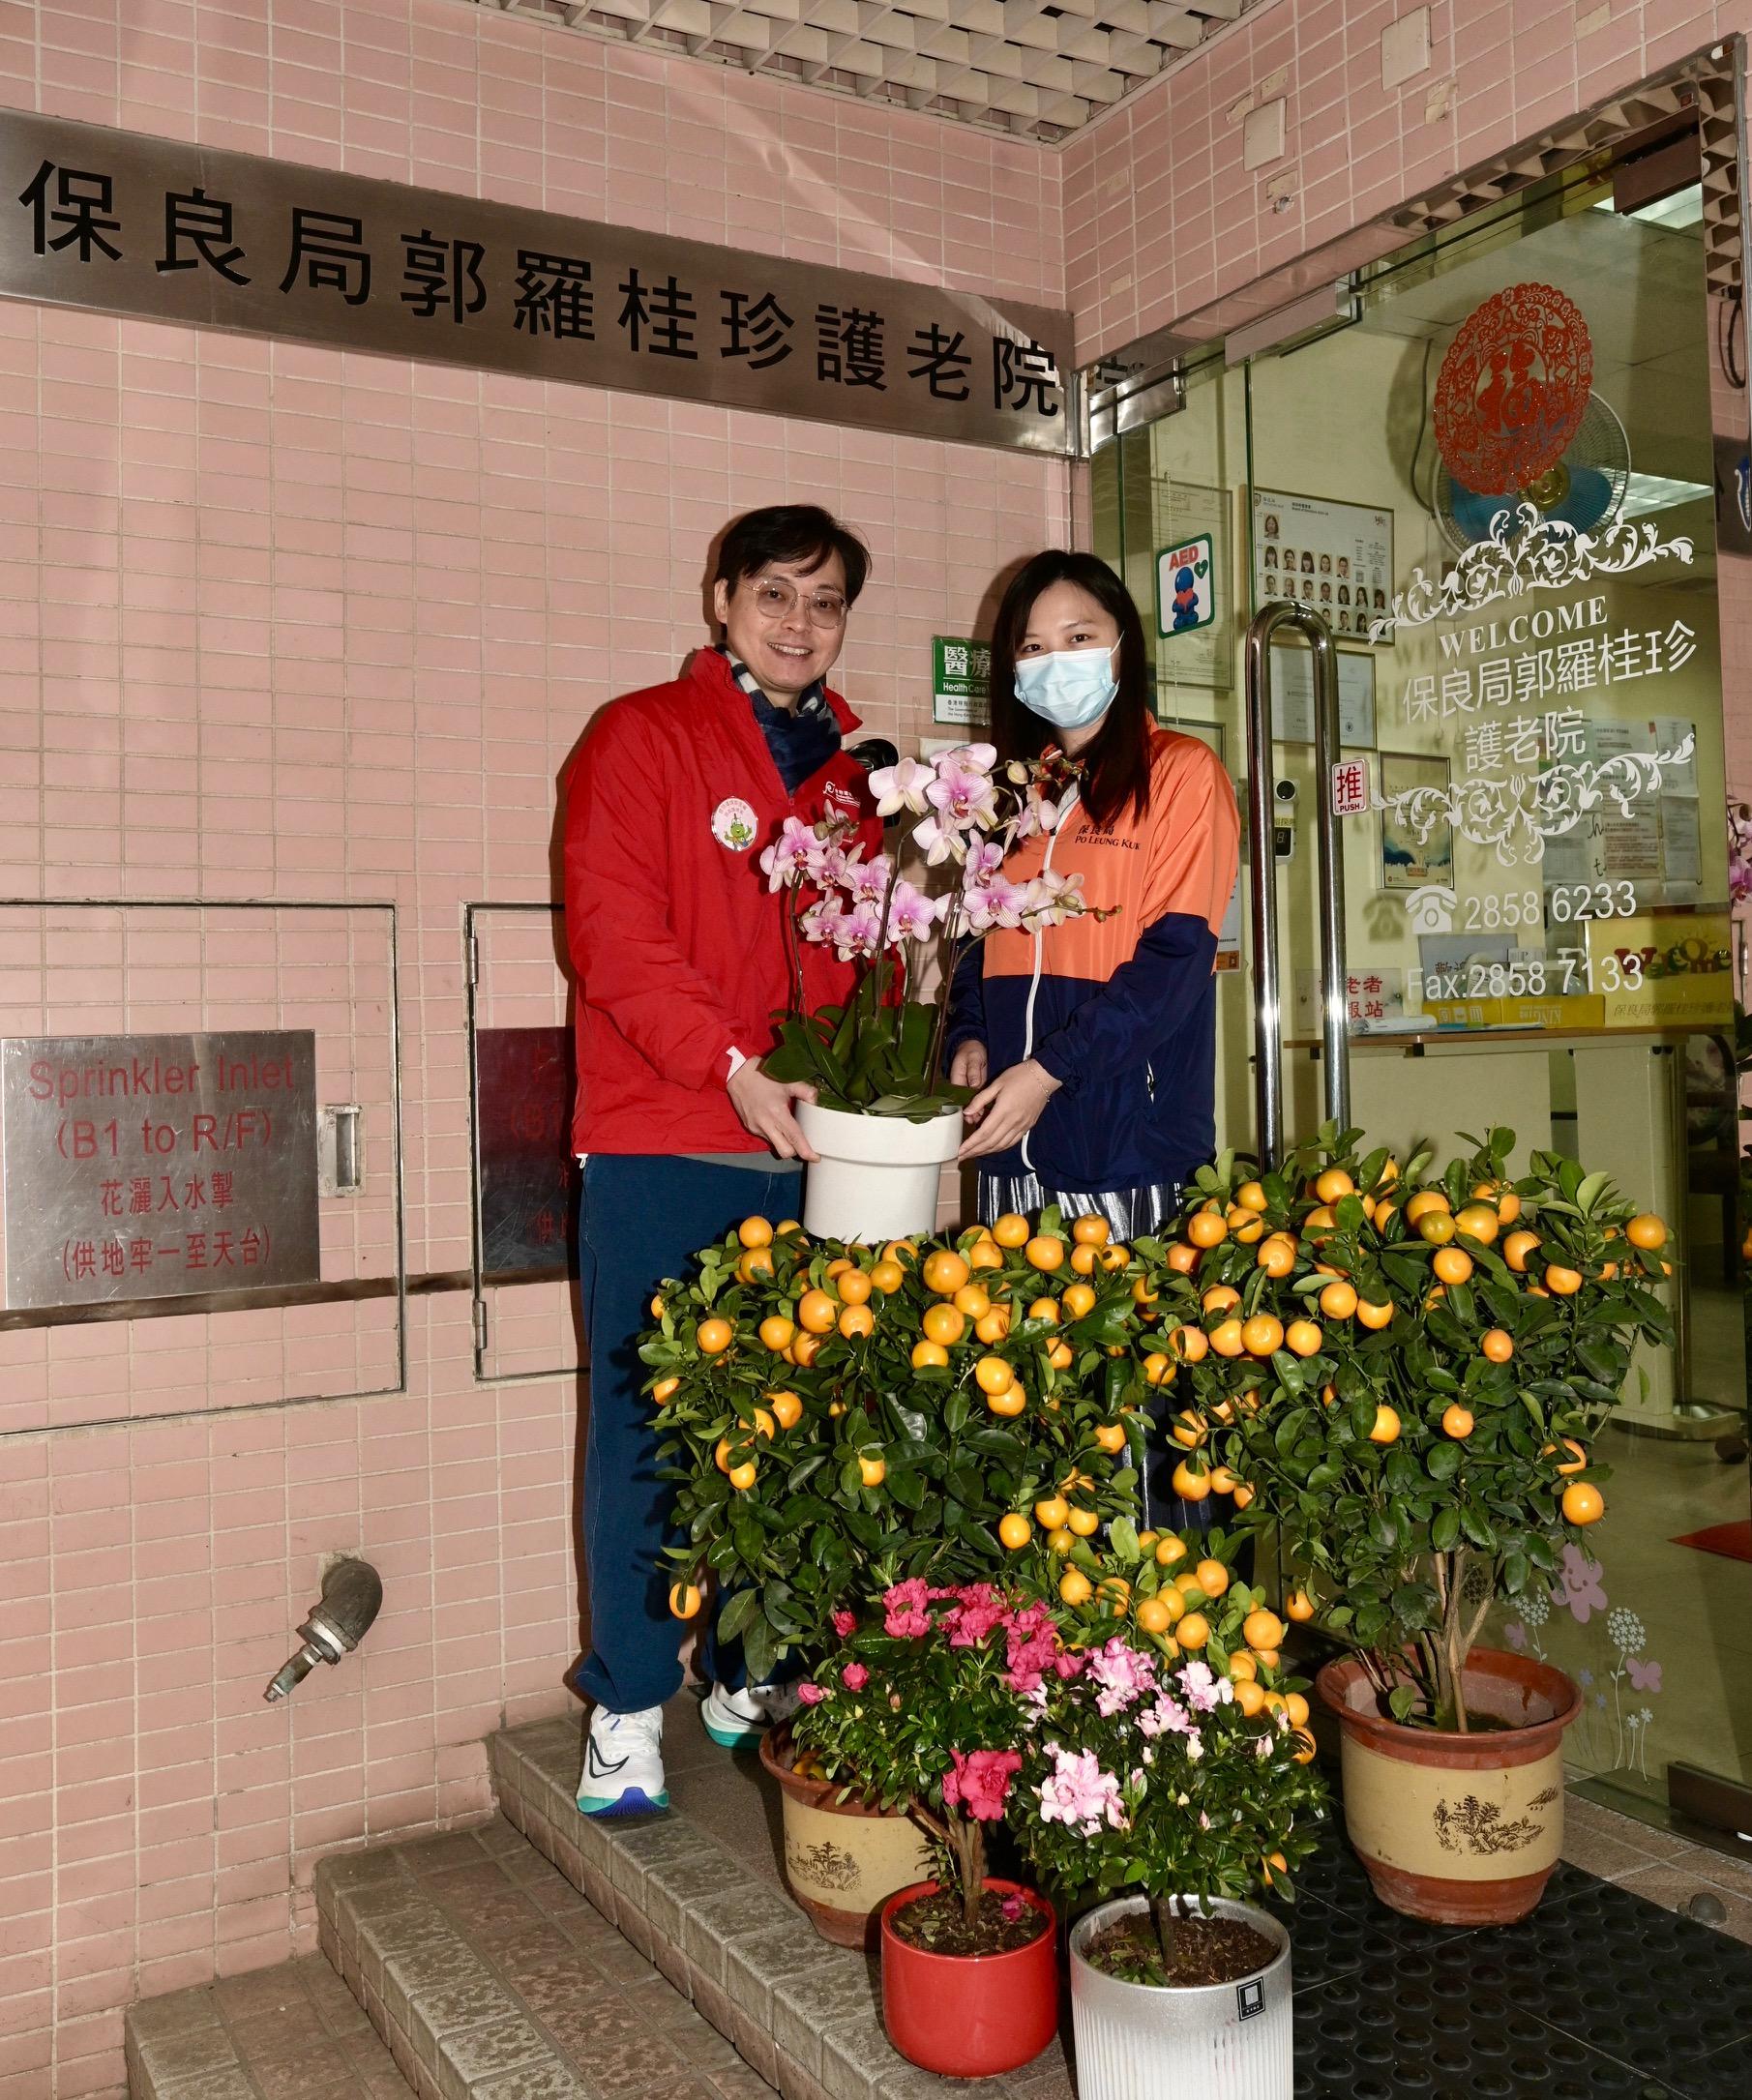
pixel 201 1155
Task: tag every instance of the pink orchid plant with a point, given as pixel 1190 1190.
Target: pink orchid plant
pixel 923 1706
pixel 881 1052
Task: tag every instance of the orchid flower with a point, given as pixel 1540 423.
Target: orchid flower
pixel 994 902
pixel 912 915
pixel 868 880
pixel 791 854
pixel 902 787
pixel 858 931
pixel 962 793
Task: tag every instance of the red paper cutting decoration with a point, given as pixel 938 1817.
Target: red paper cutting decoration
pixel 1513 389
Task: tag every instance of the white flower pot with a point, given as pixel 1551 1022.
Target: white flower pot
pixel 1223 2041
pixel 876 1177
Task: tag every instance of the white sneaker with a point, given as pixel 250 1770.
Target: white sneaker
pixel 739 1719
pixel 623 1764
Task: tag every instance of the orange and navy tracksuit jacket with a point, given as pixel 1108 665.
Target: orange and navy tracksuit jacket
pixel 1121 1009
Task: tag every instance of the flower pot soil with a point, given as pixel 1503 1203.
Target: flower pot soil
pixel 1206 1951
pixel 938 1924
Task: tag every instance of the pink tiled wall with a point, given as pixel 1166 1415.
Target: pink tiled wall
pixel 282 623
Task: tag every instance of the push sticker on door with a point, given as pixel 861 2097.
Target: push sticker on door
pixel 1186 591
pixel 734 824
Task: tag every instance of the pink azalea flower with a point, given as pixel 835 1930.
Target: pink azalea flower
pixel 978 1609
pixel 1031 1643
pixel 902 787
pixel 1166 1717
pixel 1011 1906
pixel 1123 1674
pixel 1204 1692
pixel 980 1782
pixel 1080 1794
pixel 811 1694
pixel 854 1676
pixel 905 1617
pixel 845 1622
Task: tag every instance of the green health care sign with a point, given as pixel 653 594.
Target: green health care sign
pixel 961 681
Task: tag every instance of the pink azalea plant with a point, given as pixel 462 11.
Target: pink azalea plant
pixel 924 1707
pixel 881 1052
pixel 1174 1765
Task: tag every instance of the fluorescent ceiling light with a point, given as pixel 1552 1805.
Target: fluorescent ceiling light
pixel 1646 493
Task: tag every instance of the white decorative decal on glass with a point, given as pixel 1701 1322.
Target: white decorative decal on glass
pixel 1524 551
pixel 1515 817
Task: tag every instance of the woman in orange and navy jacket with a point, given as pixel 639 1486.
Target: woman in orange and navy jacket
pixel 1092 1046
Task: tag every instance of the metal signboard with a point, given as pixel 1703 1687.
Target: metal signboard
pixel 157 1165
pixel 127 224
pixel 528 1188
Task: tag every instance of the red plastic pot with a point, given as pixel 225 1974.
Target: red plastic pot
pixel 969 2015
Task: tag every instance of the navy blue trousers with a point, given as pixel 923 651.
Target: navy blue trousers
pixel 642 1217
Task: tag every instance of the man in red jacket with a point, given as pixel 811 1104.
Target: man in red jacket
pixel 678 946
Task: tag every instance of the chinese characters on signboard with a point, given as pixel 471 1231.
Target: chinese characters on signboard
pixel 157 1165
pixel 961 681
pixel 175 232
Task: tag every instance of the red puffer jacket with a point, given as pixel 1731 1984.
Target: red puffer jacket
pixel 677 942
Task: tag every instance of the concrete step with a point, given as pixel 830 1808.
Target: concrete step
pixel 454 1968
pixel 698 1891
pixel 490 1977
pixel 287 2034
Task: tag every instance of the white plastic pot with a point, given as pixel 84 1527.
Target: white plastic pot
pixel 876 1177
pixel 1224 2041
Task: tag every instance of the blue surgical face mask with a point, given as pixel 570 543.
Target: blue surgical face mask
pixel 1070 688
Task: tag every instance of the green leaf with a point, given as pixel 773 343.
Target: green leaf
pixel 1400 1701
pixel 1444 1532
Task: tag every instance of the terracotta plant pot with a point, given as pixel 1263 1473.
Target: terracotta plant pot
pixel 876 1177
pixel 1140 2041
pixel 969 2015
pixel 1459 1829
pixel 841 1861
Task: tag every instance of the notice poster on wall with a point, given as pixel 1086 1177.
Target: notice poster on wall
pixel 1336 560
pixel 1191 527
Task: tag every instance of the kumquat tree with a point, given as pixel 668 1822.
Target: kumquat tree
pixel 1400 1377
pixel 838 1419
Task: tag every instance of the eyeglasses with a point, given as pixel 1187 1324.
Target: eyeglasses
pixel 776 599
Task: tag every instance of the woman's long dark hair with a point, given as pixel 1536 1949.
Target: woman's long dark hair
pixel 1116 764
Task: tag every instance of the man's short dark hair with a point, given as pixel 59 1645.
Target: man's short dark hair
pixel 798 533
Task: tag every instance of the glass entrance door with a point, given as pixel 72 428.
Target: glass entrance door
pixel 1497 486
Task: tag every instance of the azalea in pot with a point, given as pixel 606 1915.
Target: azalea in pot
pixel 1171 1774
pixel 838 1418
pixel 920 1709
pixel 879 1055
pixel 1407 1373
